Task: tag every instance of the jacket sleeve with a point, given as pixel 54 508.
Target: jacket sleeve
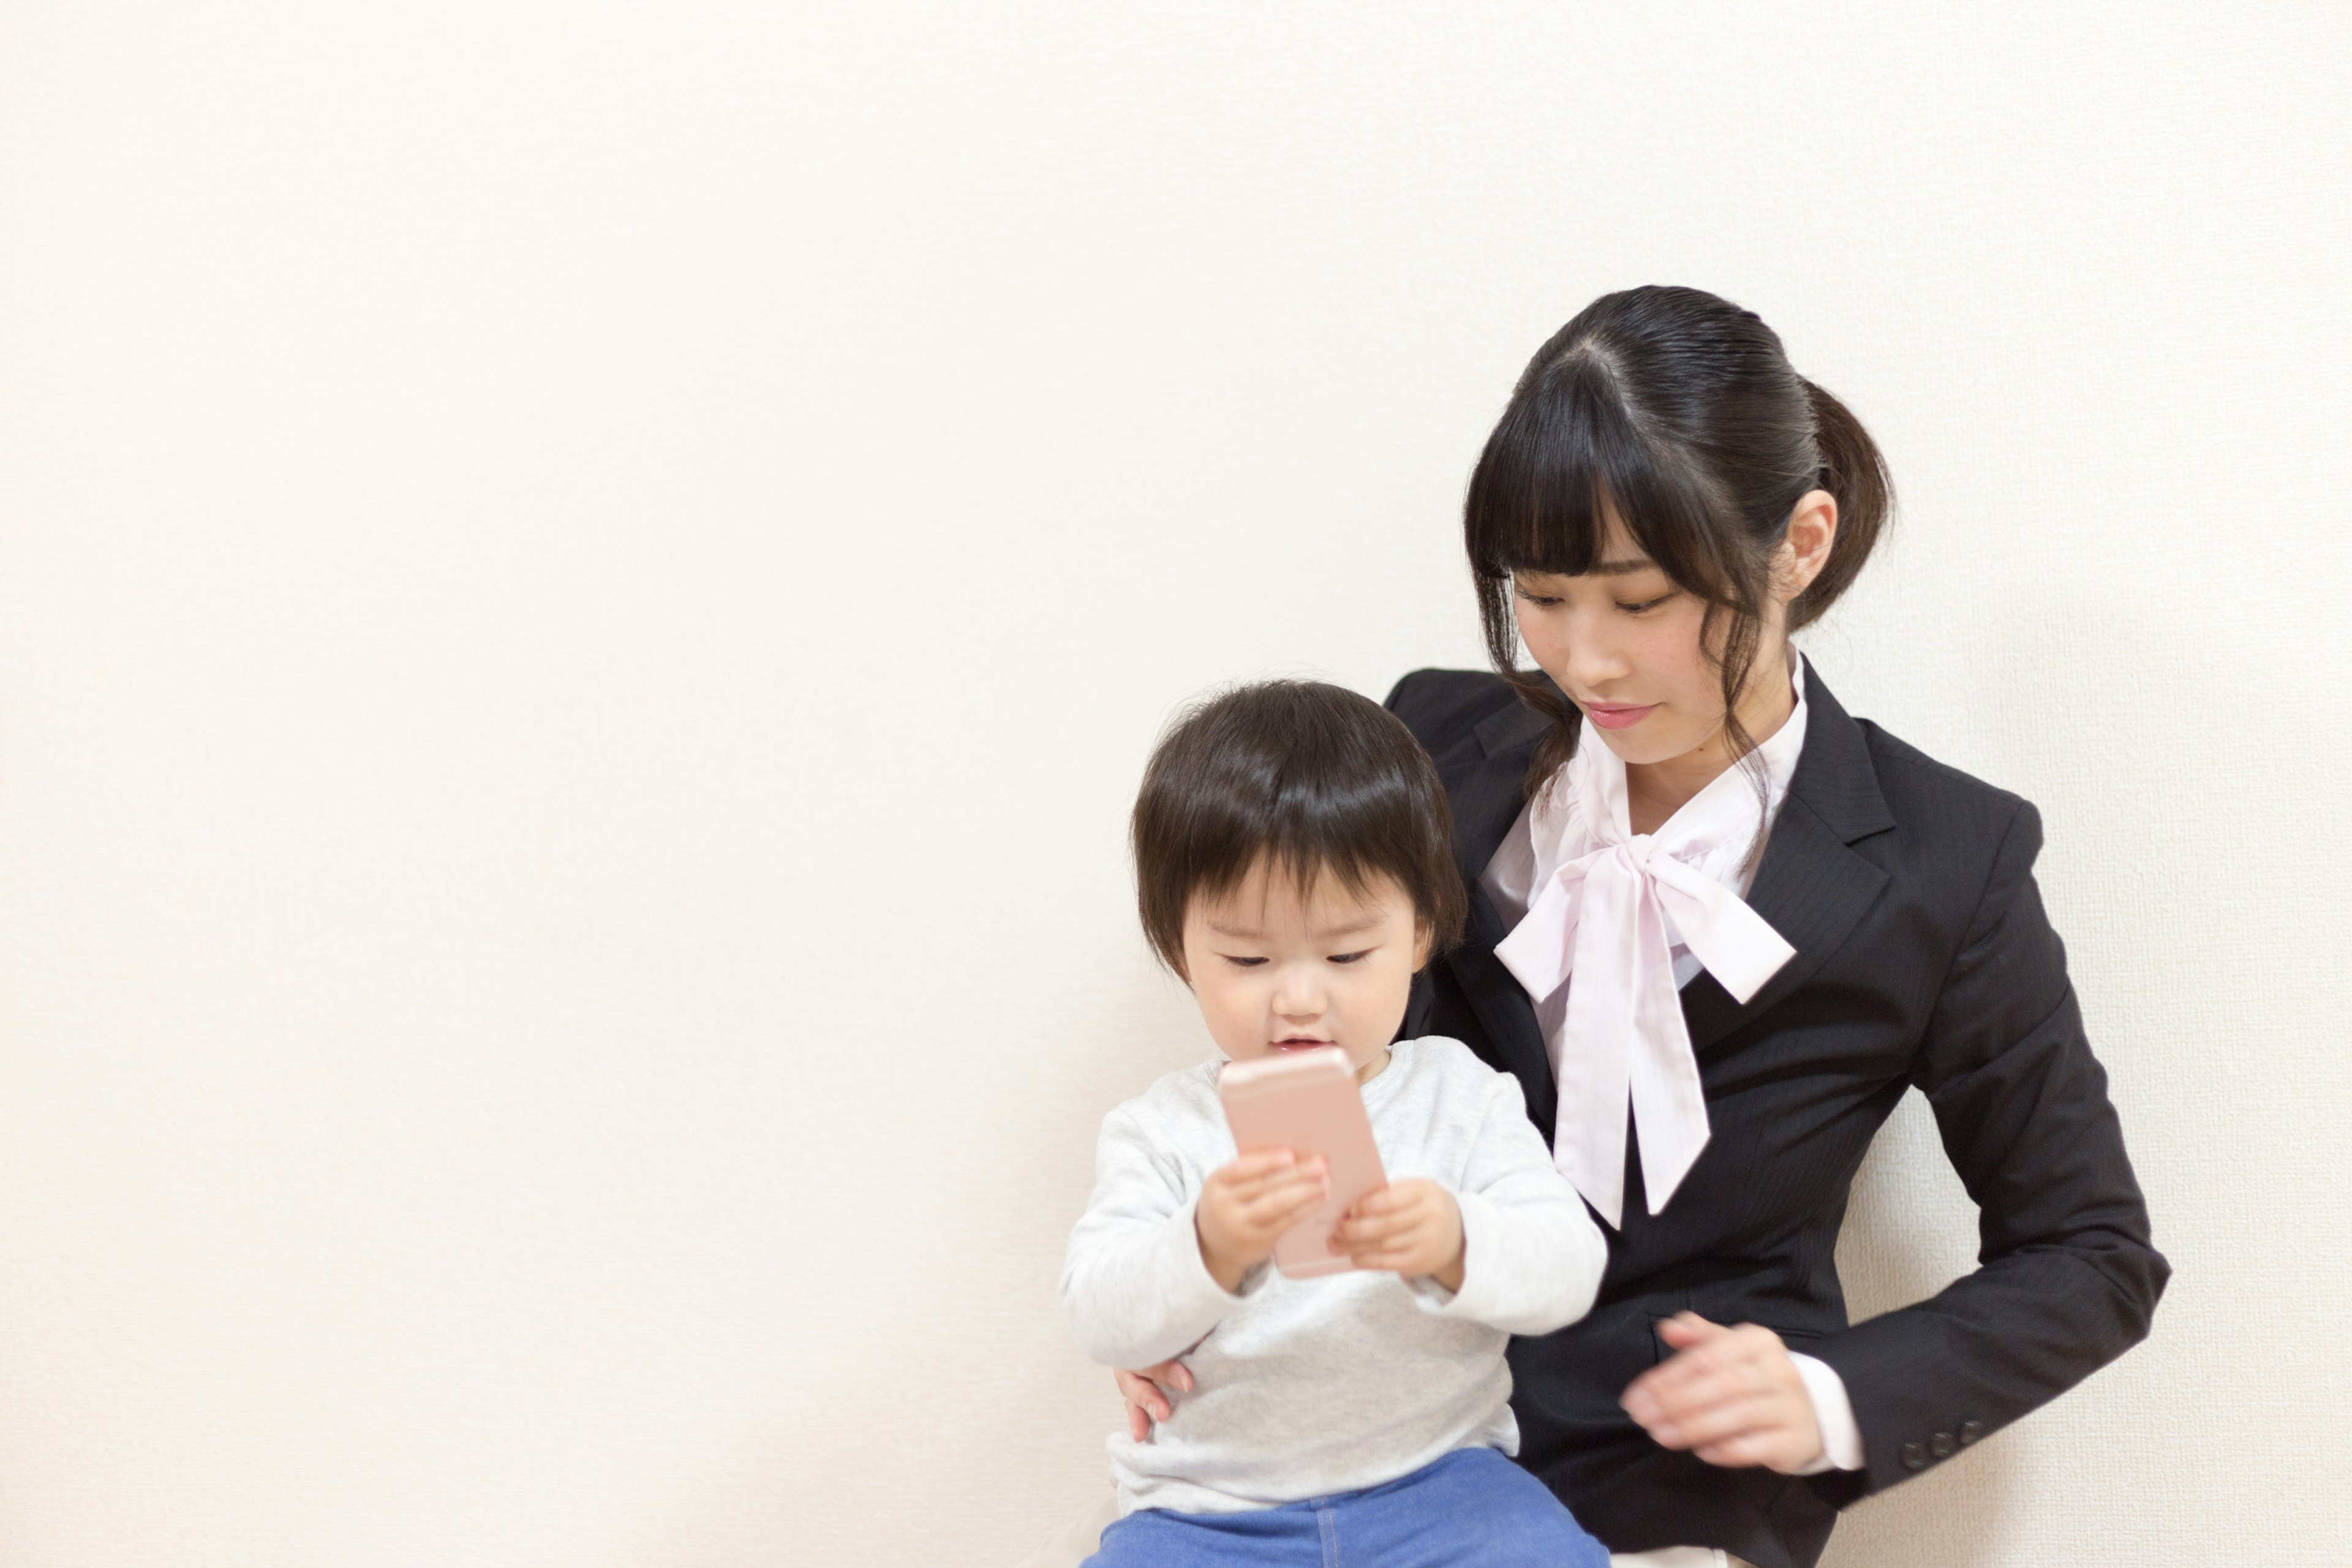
pixel 2067 1276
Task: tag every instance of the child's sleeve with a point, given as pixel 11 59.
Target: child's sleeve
pixel 1133 1286
pixel 1531 1255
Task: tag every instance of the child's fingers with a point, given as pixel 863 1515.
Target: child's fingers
pixel 1411 1199
pixel 1261 1177
pixel 1256 1163
pixel 1366 1229
pixel 1284 1207
pixel 1391 1260
pixel 1391 1200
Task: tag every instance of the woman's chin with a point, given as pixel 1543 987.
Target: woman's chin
pixel 1635 748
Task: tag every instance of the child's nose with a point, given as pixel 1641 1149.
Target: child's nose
pixel 1298 997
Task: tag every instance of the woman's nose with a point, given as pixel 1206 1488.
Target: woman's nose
pixel 1591 660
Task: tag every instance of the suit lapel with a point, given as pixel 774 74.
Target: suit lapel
pixel 1811 888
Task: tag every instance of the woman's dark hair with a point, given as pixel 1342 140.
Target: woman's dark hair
pixel 1314 778
pixel 1679 411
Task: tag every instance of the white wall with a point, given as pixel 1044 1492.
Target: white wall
pixel 582 588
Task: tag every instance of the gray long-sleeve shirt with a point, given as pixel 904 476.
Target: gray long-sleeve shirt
pixel 1307 1387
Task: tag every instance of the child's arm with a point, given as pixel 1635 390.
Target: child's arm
pixel 1514 1249
pixel 1152 1268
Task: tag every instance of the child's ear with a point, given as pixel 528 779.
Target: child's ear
pixel 1425 944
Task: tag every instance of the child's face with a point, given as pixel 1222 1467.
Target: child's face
pixel 1275 970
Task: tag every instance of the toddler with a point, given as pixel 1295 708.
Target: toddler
pixel 1294 866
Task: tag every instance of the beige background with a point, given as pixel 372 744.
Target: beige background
pixel 582 588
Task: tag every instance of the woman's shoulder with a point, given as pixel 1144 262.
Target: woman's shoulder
pixel 1960 823
pixel 1914 781
pixel 1444 706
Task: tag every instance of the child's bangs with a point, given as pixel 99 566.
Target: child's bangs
pixel 1297 854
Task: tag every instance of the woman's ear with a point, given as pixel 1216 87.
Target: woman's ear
pixel 1804 548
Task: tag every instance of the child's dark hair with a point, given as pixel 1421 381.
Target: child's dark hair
pixel 1679 411
pixel 1312 778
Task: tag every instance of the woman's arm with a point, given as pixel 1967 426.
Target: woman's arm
pixel 2068 1277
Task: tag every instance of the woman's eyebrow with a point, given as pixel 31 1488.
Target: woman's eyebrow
pixel 1623 568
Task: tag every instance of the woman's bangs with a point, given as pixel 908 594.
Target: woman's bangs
pixel 1538 499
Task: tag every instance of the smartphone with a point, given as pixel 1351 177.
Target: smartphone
pixel 1307 1102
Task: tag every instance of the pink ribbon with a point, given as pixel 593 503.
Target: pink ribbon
pixel 1603 918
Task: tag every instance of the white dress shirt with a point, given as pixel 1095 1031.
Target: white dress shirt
pixel 1576 821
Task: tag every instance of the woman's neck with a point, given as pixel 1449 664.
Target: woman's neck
pixel 1655 790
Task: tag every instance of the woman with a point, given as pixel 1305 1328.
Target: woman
pixel 1778 919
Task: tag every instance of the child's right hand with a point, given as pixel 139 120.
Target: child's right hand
pixel 1245 1207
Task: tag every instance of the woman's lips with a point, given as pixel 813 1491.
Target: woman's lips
pixel 1617 715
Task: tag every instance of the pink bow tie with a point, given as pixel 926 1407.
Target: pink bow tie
pixel 1602 917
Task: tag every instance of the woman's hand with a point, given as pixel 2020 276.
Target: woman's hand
pixel 1245 1206
pixel 1732 1396
pixel 1412 1227
pixel 1147 1395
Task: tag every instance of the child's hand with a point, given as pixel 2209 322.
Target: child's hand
pixel 1412 1227
pixel 1247 1207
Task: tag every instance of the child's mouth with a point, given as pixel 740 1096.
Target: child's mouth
pixel 1299 1045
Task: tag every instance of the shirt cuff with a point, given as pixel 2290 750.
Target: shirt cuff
pixel 1833 1414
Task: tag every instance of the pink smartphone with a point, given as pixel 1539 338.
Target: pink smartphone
pixel 1307 1102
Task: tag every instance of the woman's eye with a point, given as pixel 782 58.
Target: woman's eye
pixel 1646 605
pixel 1350 957
pixel 1540 601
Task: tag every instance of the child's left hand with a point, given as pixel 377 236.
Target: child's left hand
pixel 1412 1227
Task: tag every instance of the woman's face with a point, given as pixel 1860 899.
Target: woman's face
pixel 1624 642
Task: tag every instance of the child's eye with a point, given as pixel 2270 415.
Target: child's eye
pixel 1350 957
pixel 1238 961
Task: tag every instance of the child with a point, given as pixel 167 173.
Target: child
pixel 1294 866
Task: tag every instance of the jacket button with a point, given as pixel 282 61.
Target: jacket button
pixel 1970 1431
pixel 1942 1444
pixel 1914 1458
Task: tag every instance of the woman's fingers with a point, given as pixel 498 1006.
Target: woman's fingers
pixel 1762 1446
pixel 1695 1409
pixel 1719 1420
pixel 1724 1357
pixel 1686 1329
pixel 1732 1396
pixel 1147 1390
pixel 1142 1395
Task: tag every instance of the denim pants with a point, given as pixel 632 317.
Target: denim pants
pixel 1472 1509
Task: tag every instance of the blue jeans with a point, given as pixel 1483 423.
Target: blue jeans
pixel 1472 1509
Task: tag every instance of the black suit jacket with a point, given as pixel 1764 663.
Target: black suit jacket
pixel 1923 959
